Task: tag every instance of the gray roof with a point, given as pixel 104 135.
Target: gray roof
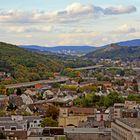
pixel 87 130
pixel 25 118
pixel 31 118
pixel 131 122
pixel 5 119
pixel 9 124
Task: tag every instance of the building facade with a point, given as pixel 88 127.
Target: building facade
pixel 126 129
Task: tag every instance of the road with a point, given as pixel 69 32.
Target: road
pixel 58 79
pixel 28 84
pixel 89 67
pixel 102 66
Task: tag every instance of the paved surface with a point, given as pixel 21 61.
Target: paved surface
pixel 87 130
pixel 58 79
pixel 89 68
pixel 28 84
pixel 102 66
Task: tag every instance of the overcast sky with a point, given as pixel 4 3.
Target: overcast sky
pixel 69 22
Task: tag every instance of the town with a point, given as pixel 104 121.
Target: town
pixel 69 69
pixel 100 102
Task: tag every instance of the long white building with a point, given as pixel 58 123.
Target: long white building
pixel 126 129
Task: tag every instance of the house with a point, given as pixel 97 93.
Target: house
pixel 26 99
pixel 130 104
pixel 13 130
pixel 30 92
pixel 107 85
pixel 16 100
pixel 48 94
pixel 129 113
pixel 117 110
pixel 102 115
pixel 2 74
pixel 21 122
pixel 40 86
pixel 65 101
pixel 16 135
pixel 39 107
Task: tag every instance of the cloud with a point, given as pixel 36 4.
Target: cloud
pixel 125 29
pixel 27 29
pixel 119 10
pixel 72 13
pixel 76 38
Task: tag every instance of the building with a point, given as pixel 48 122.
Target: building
pixel 104 117
pixel 72 116
pixel 129 113
pixel 117 110
pixel 87 134
pixel 26 122
pixel 71 121
pixel 75 111
pixel 131 104
pixel 126 129
pixel 48 133
pixel 13 130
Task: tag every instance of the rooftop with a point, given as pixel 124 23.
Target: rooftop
pixel 131 122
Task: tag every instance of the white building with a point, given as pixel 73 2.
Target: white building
pixel 126 129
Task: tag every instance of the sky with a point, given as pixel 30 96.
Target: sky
pixel 69 22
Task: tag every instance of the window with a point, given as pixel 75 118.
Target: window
pixel 13 127
pixel 2 128
pixel 35 121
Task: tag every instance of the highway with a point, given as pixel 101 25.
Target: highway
pixel 89 67
pixel 59 79
pixel 29 84
pixel 102 66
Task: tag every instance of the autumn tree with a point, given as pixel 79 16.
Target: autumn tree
pixel 53 112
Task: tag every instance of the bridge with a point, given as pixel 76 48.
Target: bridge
pixel 29 84
pixel 89 67
pixel 106 67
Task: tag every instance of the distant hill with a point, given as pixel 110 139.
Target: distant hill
pixel 115 51
pixel 130 43
pixel 25 65
pixel 68 50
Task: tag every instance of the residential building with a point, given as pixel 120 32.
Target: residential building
pixel 26 122
pixel 117 110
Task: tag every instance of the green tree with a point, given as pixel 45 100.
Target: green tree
pixel 112 98
pixel 2 113
pixel 2 89
pixel 48 121
pixel 131 97
pixel 2 136
pixel 11 107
